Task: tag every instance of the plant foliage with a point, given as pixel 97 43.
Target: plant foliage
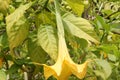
pixel 59 39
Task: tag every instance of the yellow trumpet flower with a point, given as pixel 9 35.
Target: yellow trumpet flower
pixel 64 65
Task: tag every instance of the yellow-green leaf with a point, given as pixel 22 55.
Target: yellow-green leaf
pixel 17 33
pixel 17 26
pixel 77 6
pixel 47 38
pixel 80 27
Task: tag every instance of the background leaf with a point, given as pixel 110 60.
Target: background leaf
pixel 45 17
pixel 18 32
pixel 17 26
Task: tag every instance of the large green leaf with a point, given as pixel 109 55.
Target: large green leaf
pixel 48 40
pixel 2 75
pixel 18 32
pixel 79 27
pixel 76 6
pixel 17 26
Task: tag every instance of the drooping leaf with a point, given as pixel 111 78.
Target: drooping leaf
pixel 3 75
pixel 80 27
pixel 18 32
pixel 17 26
pixel 47 38
pixel 76 6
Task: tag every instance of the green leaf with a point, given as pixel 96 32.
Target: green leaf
pixel 79 27
pixel 102 24
pixel 110 49
pixel 18 32
pixel 17 26
pixel 3 75
pixel 76 6
pixel 16 15
pixel 105 66
pixel 47 38
pixel 4 41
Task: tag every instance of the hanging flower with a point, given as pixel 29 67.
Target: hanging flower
pixel 64 65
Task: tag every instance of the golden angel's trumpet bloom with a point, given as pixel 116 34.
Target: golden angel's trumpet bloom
pixel 64 65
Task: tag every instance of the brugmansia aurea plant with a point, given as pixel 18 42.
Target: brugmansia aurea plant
pixel 64 65
pixel 18 29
